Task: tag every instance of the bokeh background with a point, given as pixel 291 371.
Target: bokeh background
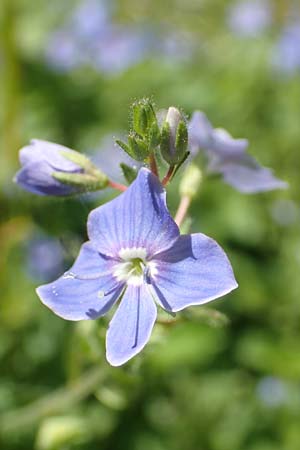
pixel 69 72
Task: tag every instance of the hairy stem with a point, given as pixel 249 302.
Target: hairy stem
pixel 168 175
pixel 153 165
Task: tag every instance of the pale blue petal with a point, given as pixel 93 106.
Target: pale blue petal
pixel 227 146
pixel 86 291
pixel 194 271
pixel 251 180
pixel 217 142
pixel 200 132
pixel 131 326
pixel 36 177
pixel 49 152
pixel 137 218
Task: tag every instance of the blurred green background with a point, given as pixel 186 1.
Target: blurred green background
pixel 69 72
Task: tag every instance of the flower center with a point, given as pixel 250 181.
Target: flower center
pixel 134 268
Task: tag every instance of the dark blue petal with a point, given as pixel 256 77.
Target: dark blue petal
pixel 87 291
pixel 250 180
pixel 194 271
pixel 137 218
pixel 131 326
pixel 36 177
pixel 49 152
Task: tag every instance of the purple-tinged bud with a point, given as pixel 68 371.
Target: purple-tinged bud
pixel 52 169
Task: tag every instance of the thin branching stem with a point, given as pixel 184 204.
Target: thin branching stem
pixel 153 165
pixel 168 176
pixel 182 210
pixel 118 186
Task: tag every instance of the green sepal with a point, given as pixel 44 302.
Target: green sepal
pixel 78 158
pixel 143 116
pixel 165 138
pixel 125 147
pixel 154 135
pixel 129 173
pixel 82 181
pixel 139 119
pixel 139 148
pixel 181 141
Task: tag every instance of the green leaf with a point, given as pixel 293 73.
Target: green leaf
pixel 129 173
pixel 139 148
pixel 125 147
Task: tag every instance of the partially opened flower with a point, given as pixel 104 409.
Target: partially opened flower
pixel 227 156
pixel 52 169
pixel 136 255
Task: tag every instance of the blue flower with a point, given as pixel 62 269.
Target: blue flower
pixel 227 156
pixel 249 18
pixel 136 255
pixel 52 169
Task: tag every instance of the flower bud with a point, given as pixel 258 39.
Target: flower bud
pixel 174 137
pixel 143 117
pixel 190 181
pixel 52 169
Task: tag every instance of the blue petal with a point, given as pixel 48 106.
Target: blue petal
pixel 49 152
pixel 250 180
pixel 131 326
pixel 227 146
pixel 194 271
pixel 87 291
pixel 137 218
pixel 200 132
pixel 36 177
pixel 218 141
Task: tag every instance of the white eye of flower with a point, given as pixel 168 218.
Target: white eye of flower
pixel 133 266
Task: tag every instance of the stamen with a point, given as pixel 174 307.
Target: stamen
pixel 134 269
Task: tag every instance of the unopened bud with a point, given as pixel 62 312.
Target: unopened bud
pixel 52 169
pixel 174 137
pixel 143 117
pixel 190 182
